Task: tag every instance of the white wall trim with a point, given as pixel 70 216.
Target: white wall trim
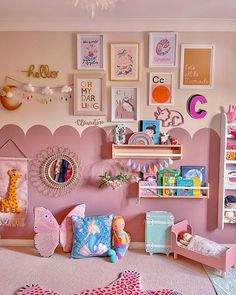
pixel 114 25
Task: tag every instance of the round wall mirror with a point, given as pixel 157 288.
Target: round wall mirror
pixel 55 171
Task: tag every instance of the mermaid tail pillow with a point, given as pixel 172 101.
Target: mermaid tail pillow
pixel 92 236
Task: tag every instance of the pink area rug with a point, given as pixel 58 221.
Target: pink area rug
pixel 127 284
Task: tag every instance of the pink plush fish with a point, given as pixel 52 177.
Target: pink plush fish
pixel 49 233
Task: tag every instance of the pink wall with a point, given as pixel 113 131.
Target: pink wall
pixel 93 148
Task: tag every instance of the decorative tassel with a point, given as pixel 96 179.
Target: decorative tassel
pixel 138 168
pixel 143 169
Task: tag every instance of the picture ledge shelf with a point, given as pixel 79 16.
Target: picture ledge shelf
pixel 147 151
pixel 206 188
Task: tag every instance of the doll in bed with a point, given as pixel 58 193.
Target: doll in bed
pixel 184 238
pixel 200 245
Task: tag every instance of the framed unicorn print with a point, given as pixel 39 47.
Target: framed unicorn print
pixel 124 61
pixel 124 103
pixel 90 52
pixel 162 49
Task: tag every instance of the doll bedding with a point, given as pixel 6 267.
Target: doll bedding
pixel 205 247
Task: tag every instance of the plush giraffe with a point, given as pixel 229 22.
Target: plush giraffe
pixel 11 203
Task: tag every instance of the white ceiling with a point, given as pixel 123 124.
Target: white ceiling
pixel 31 11
pixel 220 9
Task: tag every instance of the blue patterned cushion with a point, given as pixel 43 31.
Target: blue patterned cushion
pixel 92 236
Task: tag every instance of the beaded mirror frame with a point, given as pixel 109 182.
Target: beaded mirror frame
pixel 41 176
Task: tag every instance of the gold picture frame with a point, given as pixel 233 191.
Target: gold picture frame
pixel 124 62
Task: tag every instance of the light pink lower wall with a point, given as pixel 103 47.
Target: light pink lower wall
pixel 93 148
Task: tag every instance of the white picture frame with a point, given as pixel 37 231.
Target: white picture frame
pixel 197 66
pixel 90 52
pixel 162 49
pixel 90 94
pixel 124 104
pixel 161 88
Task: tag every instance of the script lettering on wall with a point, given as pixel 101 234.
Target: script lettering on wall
pixel 43 72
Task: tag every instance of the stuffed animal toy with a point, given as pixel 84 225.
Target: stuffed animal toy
pixel 120 239
pixel 184 238
pixel 164 137
pixel 231 119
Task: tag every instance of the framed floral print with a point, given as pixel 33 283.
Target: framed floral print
pixel 124 61
pixel 90 52
pixel 90 94
pixel 124 104
pixel 162 49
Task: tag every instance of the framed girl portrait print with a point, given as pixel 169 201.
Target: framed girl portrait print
pixel 124 61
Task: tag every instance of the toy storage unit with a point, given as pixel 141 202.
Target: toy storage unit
pixel 158 232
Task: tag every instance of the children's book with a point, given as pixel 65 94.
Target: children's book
pixel 230 176
pixel 194 172
pixel 152 128
pixel 184 182
pixel 196 183
pixel 166 172
pixel 169 181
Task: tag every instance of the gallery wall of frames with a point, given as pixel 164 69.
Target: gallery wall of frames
pixel 64 94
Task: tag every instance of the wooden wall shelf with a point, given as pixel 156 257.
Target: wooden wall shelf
pixel 205 188
pixel 156 151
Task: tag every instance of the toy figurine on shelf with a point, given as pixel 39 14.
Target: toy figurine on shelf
pixel 173 140
pixel 164 136
pixel 231 119
pixel 120 239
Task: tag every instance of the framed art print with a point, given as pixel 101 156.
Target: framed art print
pixel 124 104
pixel 152 128
pixel 90 51
pixel 194 172
pixel 124 61
pixel 162 49
pixel 160 89
pixel 90 94
pixel 197 64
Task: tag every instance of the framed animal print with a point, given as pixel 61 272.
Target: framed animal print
pixel 124 104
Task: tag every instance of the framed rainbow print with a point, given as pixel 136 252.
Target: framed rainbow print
pixel 124 61
pixel 90 52
pixel 162 49
pixel 160 89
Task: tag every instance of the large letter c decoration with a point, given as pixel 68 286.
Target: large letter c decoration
pixel 191 106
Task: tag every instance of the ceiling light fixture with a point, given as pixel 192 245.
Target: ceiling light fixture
pixel 91 5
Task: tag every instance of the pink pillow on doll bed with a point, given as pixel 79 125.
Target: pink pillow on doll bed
pixel 49 233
